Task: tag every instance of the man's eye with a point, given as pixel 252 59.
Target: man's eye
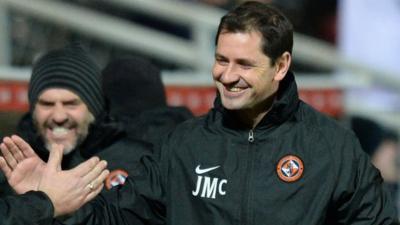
pixel 45 104
pixel 222 61
pixel 246 67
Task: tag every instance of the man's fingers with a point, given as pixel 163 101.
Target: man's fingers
pixel 99 179
pixel 55 158
pixel 95 172
pixel 5 168
pixel 95 186
pixel 85 167
pixel 13 149
pixel 94 193
pixel 26 149
pixel 8 156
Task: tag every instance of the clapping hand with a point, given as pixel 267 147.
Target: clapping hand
pixel 67 189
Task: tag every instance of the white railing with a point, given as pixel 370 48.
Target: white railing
pixel 107 28
pixel 5 44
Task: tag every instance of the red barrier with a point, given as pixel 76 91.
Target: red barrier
pixel 13 97
pixel 200 99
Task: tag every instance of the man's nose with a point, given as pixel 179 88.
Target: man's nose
pixel 230 74
pixel 60 114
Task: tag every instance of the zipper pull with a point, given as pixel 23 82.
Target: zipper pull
pixel 251 136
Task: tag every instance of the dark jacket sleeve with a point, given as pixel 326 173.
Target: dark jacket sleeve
pixel 360 197
pixel 31 208
pixel 139 201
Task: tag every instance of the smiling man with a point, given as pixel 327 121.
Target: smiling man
pixel 62 118
pixel 67 107
pixel 65 98
pixel 247 79
pixel 261 155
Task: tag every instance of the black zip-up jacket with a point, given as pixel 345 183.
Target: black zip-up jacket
pixel 296 167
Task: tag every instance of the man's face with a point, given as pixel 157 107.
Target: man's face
pixel 243 73
pixel 61 117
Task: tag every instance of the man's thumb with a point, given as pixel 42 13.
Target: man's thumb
pixel 56 155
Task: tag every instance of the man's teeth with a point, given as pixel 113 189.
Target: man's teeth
pixel 60 131
pixel 235 89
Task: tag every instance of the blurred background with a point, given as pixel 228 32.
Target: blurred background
pixel 344 51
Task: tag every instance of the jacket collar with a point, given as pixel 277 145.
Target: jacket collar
pixel 282 109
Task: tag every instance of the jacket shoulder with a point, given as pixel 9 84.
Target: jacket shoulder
pixel 188 127
pixel 335 135
pixel 320 122
pixel 125 153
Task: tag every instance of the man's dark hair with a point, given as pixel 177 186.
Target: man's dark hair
pixel 276 29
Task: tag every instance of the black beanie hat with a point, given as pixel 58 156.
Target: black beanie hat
pixel 132 85
pixel 70 68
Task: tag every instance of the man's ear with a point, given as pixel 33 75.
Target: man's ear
pixel 282 65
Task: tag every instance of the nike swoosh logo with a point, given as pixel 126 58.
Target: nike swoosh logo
pixel 201 171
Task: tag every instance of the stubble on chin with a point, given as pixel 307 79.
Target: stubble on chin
pixel 68 147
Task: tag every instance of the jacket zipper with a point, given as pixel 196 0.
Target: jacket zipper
pixel 251 136
pixel 248 176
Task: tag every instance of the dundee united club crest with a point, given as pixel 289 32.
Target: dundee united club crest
pixel 116 178
pixel 290 168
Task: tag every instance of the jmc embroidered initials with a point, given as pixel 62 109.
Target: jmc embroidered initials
pixel 208 187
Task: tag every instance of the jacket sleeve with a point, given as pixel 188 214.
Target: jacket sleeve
pixel 139 201
pixel 31 208
pixel 360 197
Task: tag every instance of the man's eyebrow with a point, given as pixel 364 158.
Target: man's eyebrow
pixel 72 101
pixel 217 55
pixel 243 61
pixel 246 61
pixel 43 100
